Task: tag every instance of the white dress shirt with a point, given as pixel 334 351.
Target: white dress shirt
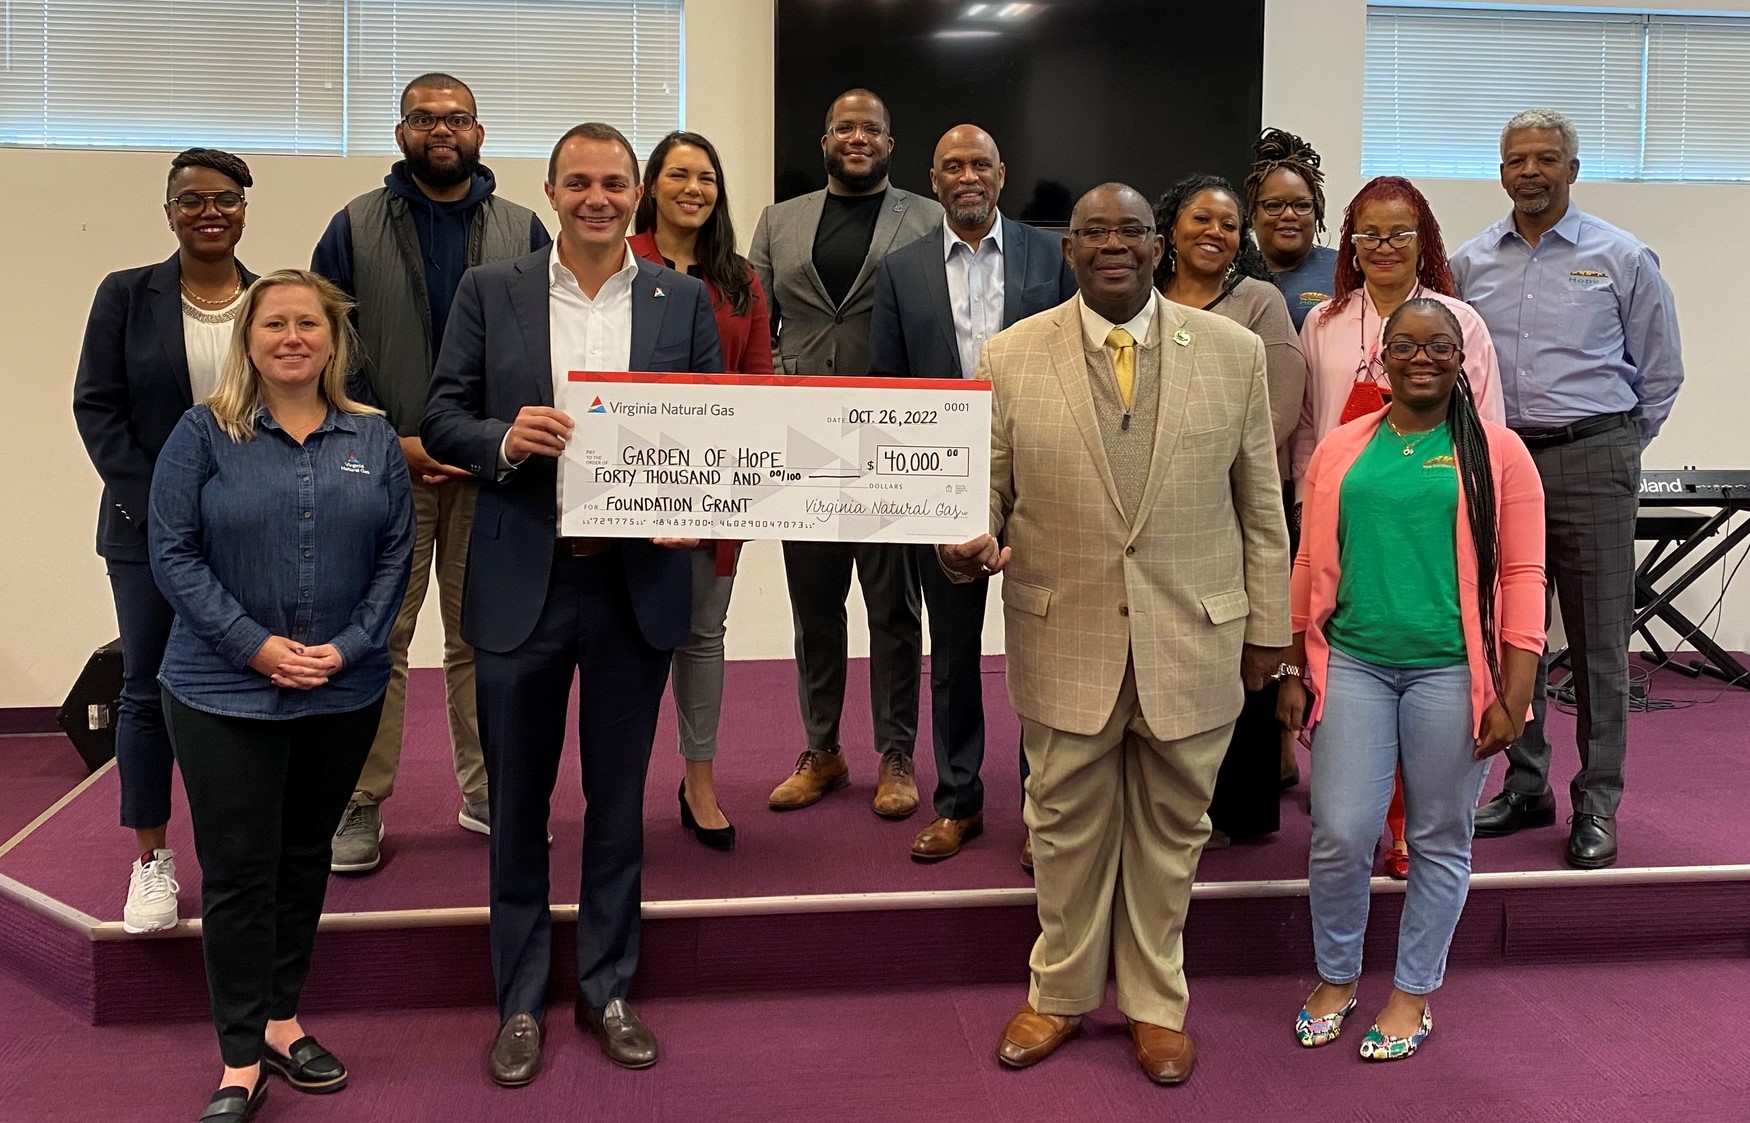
pixel 1095 327
pixel 585 334
pixel 975 290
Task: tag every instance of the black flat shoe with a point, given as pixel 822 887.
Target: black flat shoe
pixel 717 838
pixel 235 1103
pixel 1592 842
pixel 308 1067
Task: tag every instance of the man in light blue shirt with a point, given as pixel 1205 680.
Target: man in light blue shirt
pixel 1586 332
pixel 938 301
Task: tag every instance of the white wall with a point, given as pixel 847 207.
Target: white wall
pixel 71 217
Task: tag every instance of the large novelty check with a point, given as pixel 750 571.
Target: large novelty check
pixel 776 457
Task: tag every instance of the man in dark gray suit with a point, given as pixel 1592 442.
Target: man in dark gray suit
pixel 542 610
pixel 816 258
pixel 936 303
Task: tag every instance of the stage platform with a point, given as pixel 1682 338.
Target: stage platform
pixel 828 897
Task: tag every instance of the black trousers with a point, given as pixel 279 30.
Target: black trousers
pixel 588 630
pixel 143 757
pixel 819 577
pixel 265 798
pixel 956 616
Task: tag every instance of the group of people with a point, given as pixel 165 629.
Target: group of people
pixel 1180 392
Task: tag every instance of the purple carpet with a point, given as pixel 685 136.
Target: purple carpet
pixel 1683 808
pixel 1581 1044
pixel 34 772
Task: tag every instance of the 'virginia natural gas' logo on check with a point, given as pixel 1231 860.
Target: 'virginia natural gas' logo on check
pixel 597 407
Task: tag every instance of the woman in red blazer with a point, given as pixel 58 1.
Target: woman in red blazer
pixel 683 223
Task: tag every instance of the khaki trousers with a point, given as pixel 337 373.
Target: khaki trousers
pixel 443 519
pixel 1118 823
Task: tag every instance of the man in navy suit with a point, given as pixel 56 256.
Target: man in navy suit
pixel 539 608
pixel 937 301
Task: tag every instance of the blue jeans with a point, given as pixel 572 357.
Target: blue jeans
pixel 1375 720
pixel 142 746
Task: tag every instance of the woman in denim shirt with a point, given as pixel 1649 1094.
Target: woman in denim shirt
pixel 280 531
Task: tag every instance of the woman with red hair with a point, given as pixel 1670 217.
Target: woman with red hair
pixel 1390 251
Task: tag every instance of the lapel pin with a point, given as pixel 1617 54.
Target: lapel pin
pixel 1182 337
pixel 659 294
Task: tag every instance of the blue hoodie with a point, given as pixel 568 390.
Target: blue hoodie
pixel 443 240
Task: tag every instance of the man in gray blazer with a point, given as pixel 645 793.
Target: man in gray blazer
pixel 816 258
pixel 936 303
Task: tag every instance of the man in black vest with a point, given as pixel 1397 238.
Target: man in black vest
pixel 400 251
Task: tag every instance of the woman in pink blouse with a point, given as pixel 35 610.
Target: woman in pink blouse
pixel 1391 252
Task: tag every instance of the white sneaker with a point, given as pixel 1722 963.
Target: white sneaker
pixel 152 892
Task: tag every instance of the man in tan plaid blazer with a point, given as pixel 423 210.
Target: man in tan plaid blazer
pixel 1134 490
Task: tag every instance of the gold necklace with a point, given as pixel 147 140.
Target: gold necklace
pixel 1409 445
pixel 219 303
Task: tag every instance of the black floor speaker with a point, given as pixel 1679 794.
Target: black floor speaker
pixel 89 713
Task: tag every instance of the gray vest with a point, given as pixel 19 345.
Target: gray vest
pixel 394 310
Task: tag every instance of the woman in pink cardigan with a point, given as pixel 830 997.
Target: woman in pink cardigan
pixel 1418 605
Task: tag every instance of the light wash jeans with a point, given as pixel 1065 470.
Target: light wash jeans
pixel 1375 720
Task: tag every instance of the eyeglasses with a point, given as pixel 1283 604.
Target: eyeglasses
pixel 194 202
pixel 426 122
pixel 1093 237
pixel 1373 241
pixel 1274 207
pixel 845 130
pixel 1404 350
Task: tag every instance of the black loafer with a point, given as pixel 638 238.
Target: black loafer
pixel 235 1103
pixel 1592 842
pixel 1511 812
pixel 308 1067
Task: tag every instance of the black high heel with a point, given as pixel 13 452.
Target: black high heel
pixel 717 838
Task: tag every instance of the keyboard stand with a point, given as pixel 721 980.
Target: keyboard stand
pixel 1677 534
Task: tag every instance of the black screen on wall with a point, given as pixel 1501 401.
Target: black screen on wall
pixel 1075 92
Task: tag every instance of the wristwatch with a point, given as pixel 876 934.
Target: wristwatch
pixel 1286 670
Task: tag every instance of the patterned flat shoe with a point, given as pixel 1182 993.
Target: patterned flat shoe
pixel 1377 1046
pixel 1313 1032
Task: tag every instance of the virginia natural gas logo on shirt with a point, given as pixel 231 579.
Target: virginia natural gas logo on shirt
pixel 355 465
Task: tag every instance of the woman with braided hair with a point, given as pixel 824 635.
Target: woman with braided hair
pixel 1417 603
pixel 1285 197
pixel 1211 263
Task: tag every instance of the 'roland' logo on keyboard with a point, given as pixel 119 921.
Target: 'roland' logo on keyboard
pixel 1671 486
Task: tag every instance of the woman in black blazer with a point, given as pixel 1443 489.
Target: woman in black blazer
pixel 154 345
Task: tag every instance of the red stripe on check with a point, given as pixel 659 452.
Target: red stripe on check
pixel 625 378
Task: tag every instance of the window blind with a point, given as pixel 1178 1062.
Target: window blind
pixel 1654 96
pixel 325 76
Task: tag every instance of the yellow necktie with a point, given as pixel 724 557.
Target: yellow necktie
pixel 1123 345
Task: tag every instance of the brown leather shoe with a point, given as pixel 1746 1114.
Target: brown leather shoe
pixel 516 1054
pixel 896 794
pixel 1167 1055
pixel 942 838
pixel 1030 1036
pixel 818 771
pixel 1027 853
pixel 625 1039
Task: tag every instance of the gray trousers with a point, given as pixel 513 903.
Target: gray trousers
pixel 697 669
pixel 1589 488
pixel 819 578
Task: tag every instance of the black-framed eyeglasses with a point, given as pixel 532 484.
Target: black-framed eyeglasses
pixel 194 202
pixel 1373 241
pixel 1274 207
pixel 1403 350
pixel 426 122
pixel 1093 237
pixel 845 130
